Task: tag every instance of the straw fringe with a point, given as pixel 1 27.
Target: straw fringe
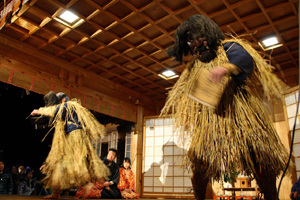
pixel 238 133
pixel 72 159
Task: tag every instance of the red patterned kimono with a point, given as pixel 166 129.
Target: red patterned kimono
pixel 95 192
pixel 126 181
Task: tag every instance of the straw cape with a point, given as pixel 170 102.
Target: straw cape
pixel 238 133
pixel 72 159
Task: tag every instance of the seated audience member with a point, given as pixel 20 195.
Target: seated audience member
pixel 295 191
pixel 16 178
pixel 27 186
pixel 21 170
pixel 6 182
pixel 126 182
pixel 107 189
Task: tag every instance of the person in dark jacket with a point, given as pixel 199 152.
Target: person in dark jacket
pixel 295 191
pixel 104 190
pixel 6 182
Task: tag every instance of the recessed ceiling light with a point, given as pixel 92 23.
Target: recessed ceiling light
pixel 168 73
pixel 69 17
pixel 270 41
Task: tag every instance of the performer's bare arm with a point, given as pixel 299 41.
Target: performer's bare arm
pixel 48 111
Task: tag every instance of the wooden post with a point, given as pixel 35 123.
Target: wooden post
pixel 137 150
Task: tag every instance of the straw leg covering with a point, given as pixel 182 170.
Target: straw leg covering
pixel 72 160
pixel 237 135
pixel 267 183
pixel 199 180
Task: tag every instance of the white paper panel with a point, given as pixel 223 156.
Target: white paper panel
pixel 148 171
pixel 178 160
pixel 169 160
pixel 158 151
pixel 159 141
pixel 157 181
pixel 187 172
pixel 291 110
pixel 170 171
pixel 158 189
pixel 159 122
pixel 178 171
pixel 297 136
pixel 168 140
pixel 178 150
pixel 297 163
pixel 187 182
pixel 149 131
pixel 168 189
pixel 168 130
pixel 149 151
pixel 159 131
pixel 179 190
pixel 148 181
pixel 296 150
pixel 297 94
pixel 148 161
pixel 157 171
pixel 298 174
pixel 169 181
pixel 168 150
pixel 148 189
pixel 292 121
pixel 158 160
pixel 178 181
pixel 290 99
pixel 149 141
pixel 150 123
pixel 168 121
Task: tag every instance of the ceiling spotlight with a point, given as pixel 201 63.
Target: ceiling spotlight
pixel 269 43
pixel 69 17
pixel 168 75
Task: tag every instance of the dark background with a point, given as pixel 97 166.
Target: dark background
pixel 20 142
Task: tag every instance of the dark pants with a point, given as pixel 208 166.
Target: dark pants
pixel 114 193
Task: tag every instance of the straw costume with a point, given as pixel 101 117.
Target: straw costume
pixel 72 159
pixel 238 133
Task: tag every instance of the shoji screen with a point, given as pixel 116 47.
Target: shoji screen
pixel 163 153
pixel 291 100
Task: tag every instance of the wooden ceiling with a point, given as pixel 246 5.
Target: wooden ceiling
pixel 125 41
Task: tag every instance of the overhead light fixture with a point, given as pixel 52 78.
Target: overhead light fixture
pixel 69 17
pixel 169 74
pixel 269 43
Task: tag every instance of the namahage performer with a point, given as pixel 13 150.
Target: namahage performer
pixel 72 160
pixel 237 133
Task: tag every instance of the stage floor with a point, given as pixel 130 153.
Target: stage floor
pixel 18 197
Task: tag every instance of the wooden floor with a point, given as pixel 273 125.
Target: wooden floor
pixel 18 197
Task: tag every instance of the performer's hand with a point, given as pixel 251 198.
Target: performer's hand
pixel 106 184
pixel 42 167
pixel 35 112
pixel 128 190
pixel 291 195
pixel 295 194
pixel 217 73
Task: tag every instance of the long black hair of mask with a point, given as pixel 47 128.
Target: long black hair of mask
pixel 50 99
pixel 197 26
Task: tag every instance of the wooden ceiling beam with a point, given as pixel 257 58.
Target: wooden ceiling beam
pixel 261 6
pixel 21 47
